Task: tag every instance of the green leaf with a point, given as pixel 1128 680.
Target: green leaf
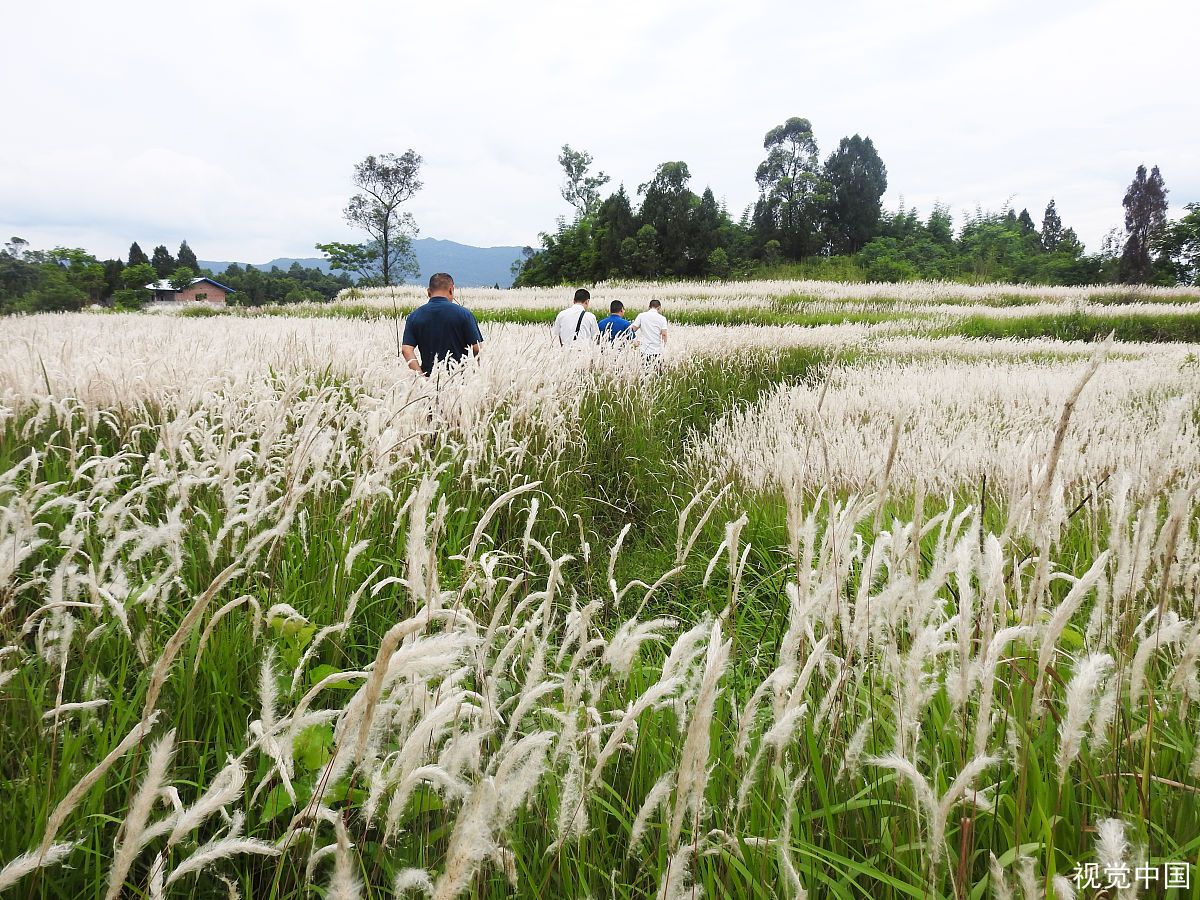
pixel 278 802
pixel 323 671
pixel 313 747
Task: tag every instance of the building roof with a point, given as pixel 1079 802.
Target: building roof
pixel 165 285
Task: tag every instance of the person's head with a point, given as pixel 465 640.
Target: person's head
pixel 584 296
pixel 616 307
pixel 441 285
pixel 655 304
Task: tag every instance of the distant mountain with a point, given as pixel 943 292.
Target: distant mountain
pixel 470 266
pixel 283 262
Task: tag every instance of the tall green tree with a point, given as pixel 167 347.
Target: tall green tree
pixel 19 273
pixel 356 260
pixel 614 223
pixel 385 183
pixel 112 278
pixel 857 180
pixel 640 253
pixel 187 258
pixel 164 264
pixel 1179 242
pixel 1052 228
pixel 789 207
pixel 137 256
pixel 717 264
pixel 666 207
pixel 940 226
pixel 133 294
pixel 580 188
pixel 707 222
pixel 182 277
pixel 1145 217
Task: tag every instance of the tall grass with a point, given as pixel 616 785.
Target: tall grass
pixel 293 632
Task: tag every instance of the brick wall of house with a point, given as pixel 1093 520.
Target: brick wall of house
pixel 204 292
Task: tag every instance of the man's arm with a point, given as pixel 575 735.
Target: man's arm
pixel 664 337
pixel 409 348
pixel 476 336
pixel 410 354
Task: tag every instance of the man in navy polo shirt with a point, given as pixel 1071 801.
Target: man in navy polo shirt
pixel 614 326
pixel 441 329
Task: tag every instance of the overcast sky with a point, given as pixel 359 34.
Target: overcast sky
pixel 235 125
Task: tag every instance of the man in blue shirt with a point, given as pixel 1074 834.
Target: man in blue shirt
pixel 441 329
pixel 614 325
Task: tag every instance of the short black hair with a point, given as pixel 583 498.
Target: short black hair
pixel 441 281
pixel 582 294
pixel 655 304
pixel 616 306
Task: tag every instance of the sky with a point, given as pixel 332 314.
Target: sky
pixel 236 125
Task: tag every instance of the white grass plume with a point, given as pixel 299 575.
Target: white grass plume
pixel 494 507
pixel 997 880
pixel 217 850
pixel 414 880
pixel 158 874
pixel 83 706
pixel 162 667
pixel 1080 707
pixel 683 551
pixel 224 789
pixel 790 875
pixel 344 884
pixel 471 842
pixel 1062 615
pixel 18 868
pixel 683 517
pixel 693 758
pixel 518 773
pixel 130 835
pixel 685 650
pixel 69 802
pixel 936 809
pixel 244 599
pixel 655 798
pixel 676 883
pixel 623 648
pixel 987 679
pixel 268 690
pixel 776 738
pixel 1031 888
pixel 571 820
pixel 772 682
pixel 1167 634
pixel 612 558
pixel 1112 847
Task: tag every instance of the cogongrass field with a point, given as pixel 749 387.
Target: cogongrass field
pixel 849 609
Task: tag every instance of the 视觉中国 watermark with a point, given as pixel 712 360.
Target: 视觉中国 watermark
pixel 1167 876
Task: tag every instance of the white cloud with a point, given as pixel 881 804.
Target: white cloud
pixel 235 125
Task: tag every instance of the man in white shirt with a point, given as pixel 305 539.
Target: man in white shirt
pixel 575 326
pixel 651 330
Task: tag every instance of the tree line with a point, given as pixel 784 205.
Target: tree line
pixel 70 278
pixel 825 219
